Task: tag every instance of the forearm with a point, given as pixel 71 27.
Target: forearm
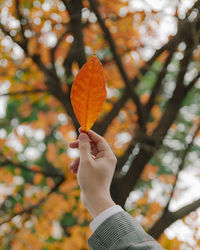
pixel 97 203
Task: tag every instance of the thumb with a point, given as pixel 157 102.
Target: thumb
pixel 84 146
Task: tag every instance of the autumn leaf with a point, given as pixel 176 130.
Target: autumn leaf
pixel 89 93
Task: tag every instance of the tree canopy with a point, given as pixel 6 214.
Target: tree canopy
pixel 150 53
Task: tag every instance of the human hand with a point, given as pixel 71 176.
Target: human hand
pixel 94 168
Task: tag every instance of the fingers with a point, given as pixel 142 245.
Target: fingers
pixel 74 144
pixel 73 166
pixel 84 146
pixel 99 141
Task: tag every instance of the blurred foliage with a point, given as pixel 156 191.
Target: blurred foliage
pixel 39 196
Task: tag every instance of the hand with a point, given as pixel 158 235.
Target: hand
pixel 95 168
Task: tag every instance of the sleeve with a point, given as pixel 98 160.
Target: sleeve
pixel 104 215
pixel 120 231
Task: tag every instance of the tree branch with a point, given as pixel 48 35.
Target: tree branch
pixel 50 173
pixel 181 166
pixel 179 94
pixel 170 217
pixel 128 182
pixel 158 83
pixel 20 17
pixel 147 66
pixel 192 83
pixel 25 92
pixel 140 109
pixel 101 127
pixel 77 51
pixel 56 47
pixel 168 46
pixel 182 212
pixel 36 58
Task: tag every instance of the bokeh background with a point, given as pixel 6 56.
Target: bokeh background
pixel 150 52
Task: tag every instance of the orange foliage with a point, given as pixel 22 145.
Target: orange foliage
pixel 144 98
pixel 156 112
pixel 113 76
pixel 18 208
pixel 37 178
pixel 52 211
pixel 150 172
pixel 168 244
pixel 6 176
pixel 23 74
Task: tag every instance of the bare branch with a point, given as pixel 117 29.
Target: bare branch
pixel 77 51
pixel 25 92
pixel 140 109
pixel 182 212
pixel 179 94
pixel 170 217
pixel 56 47
pixel 158 82
pixel 168 46
pixel 21 18
pixel 192 83
pixel 101 127
pixel 55 173
pixel 147 66
pixel 181 166
pixel 35 58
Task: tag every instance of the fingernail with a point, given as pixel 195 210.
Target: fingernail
pixel 83 137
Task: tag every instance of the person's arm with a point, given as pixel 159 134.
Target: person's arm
pixel 113 227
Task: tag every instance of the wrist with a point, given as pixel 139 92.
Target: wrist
pixel 96 204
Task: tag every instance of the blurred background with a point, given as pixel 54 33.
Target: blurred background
pixel 150 51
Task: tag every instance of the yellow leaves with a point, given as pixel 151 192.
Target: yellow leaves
pixel 51 153
pixel 50 182
pixel 82 213
pixel 58 160
pixel 45 121
pixel 69 185
pixel 125 122
pixel 78 238
pixel 33 46
pixel 6 176
pixel 52 211
pixel 25 239
pixel 143 201
pixel 89 93
pixel 156 112
pixel 18 208
pixel 68 131
pixel 43 227
pixel 93 37
pixel 149 173
pixel 37 178
pixel 25 109
pixel 167 178
pixel 113 7
pixel 170 244
pixel 144 98
pixel 153 213
pixel 113 76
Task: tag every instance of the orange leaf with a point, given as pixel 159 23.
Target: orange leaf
pixel 89 93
